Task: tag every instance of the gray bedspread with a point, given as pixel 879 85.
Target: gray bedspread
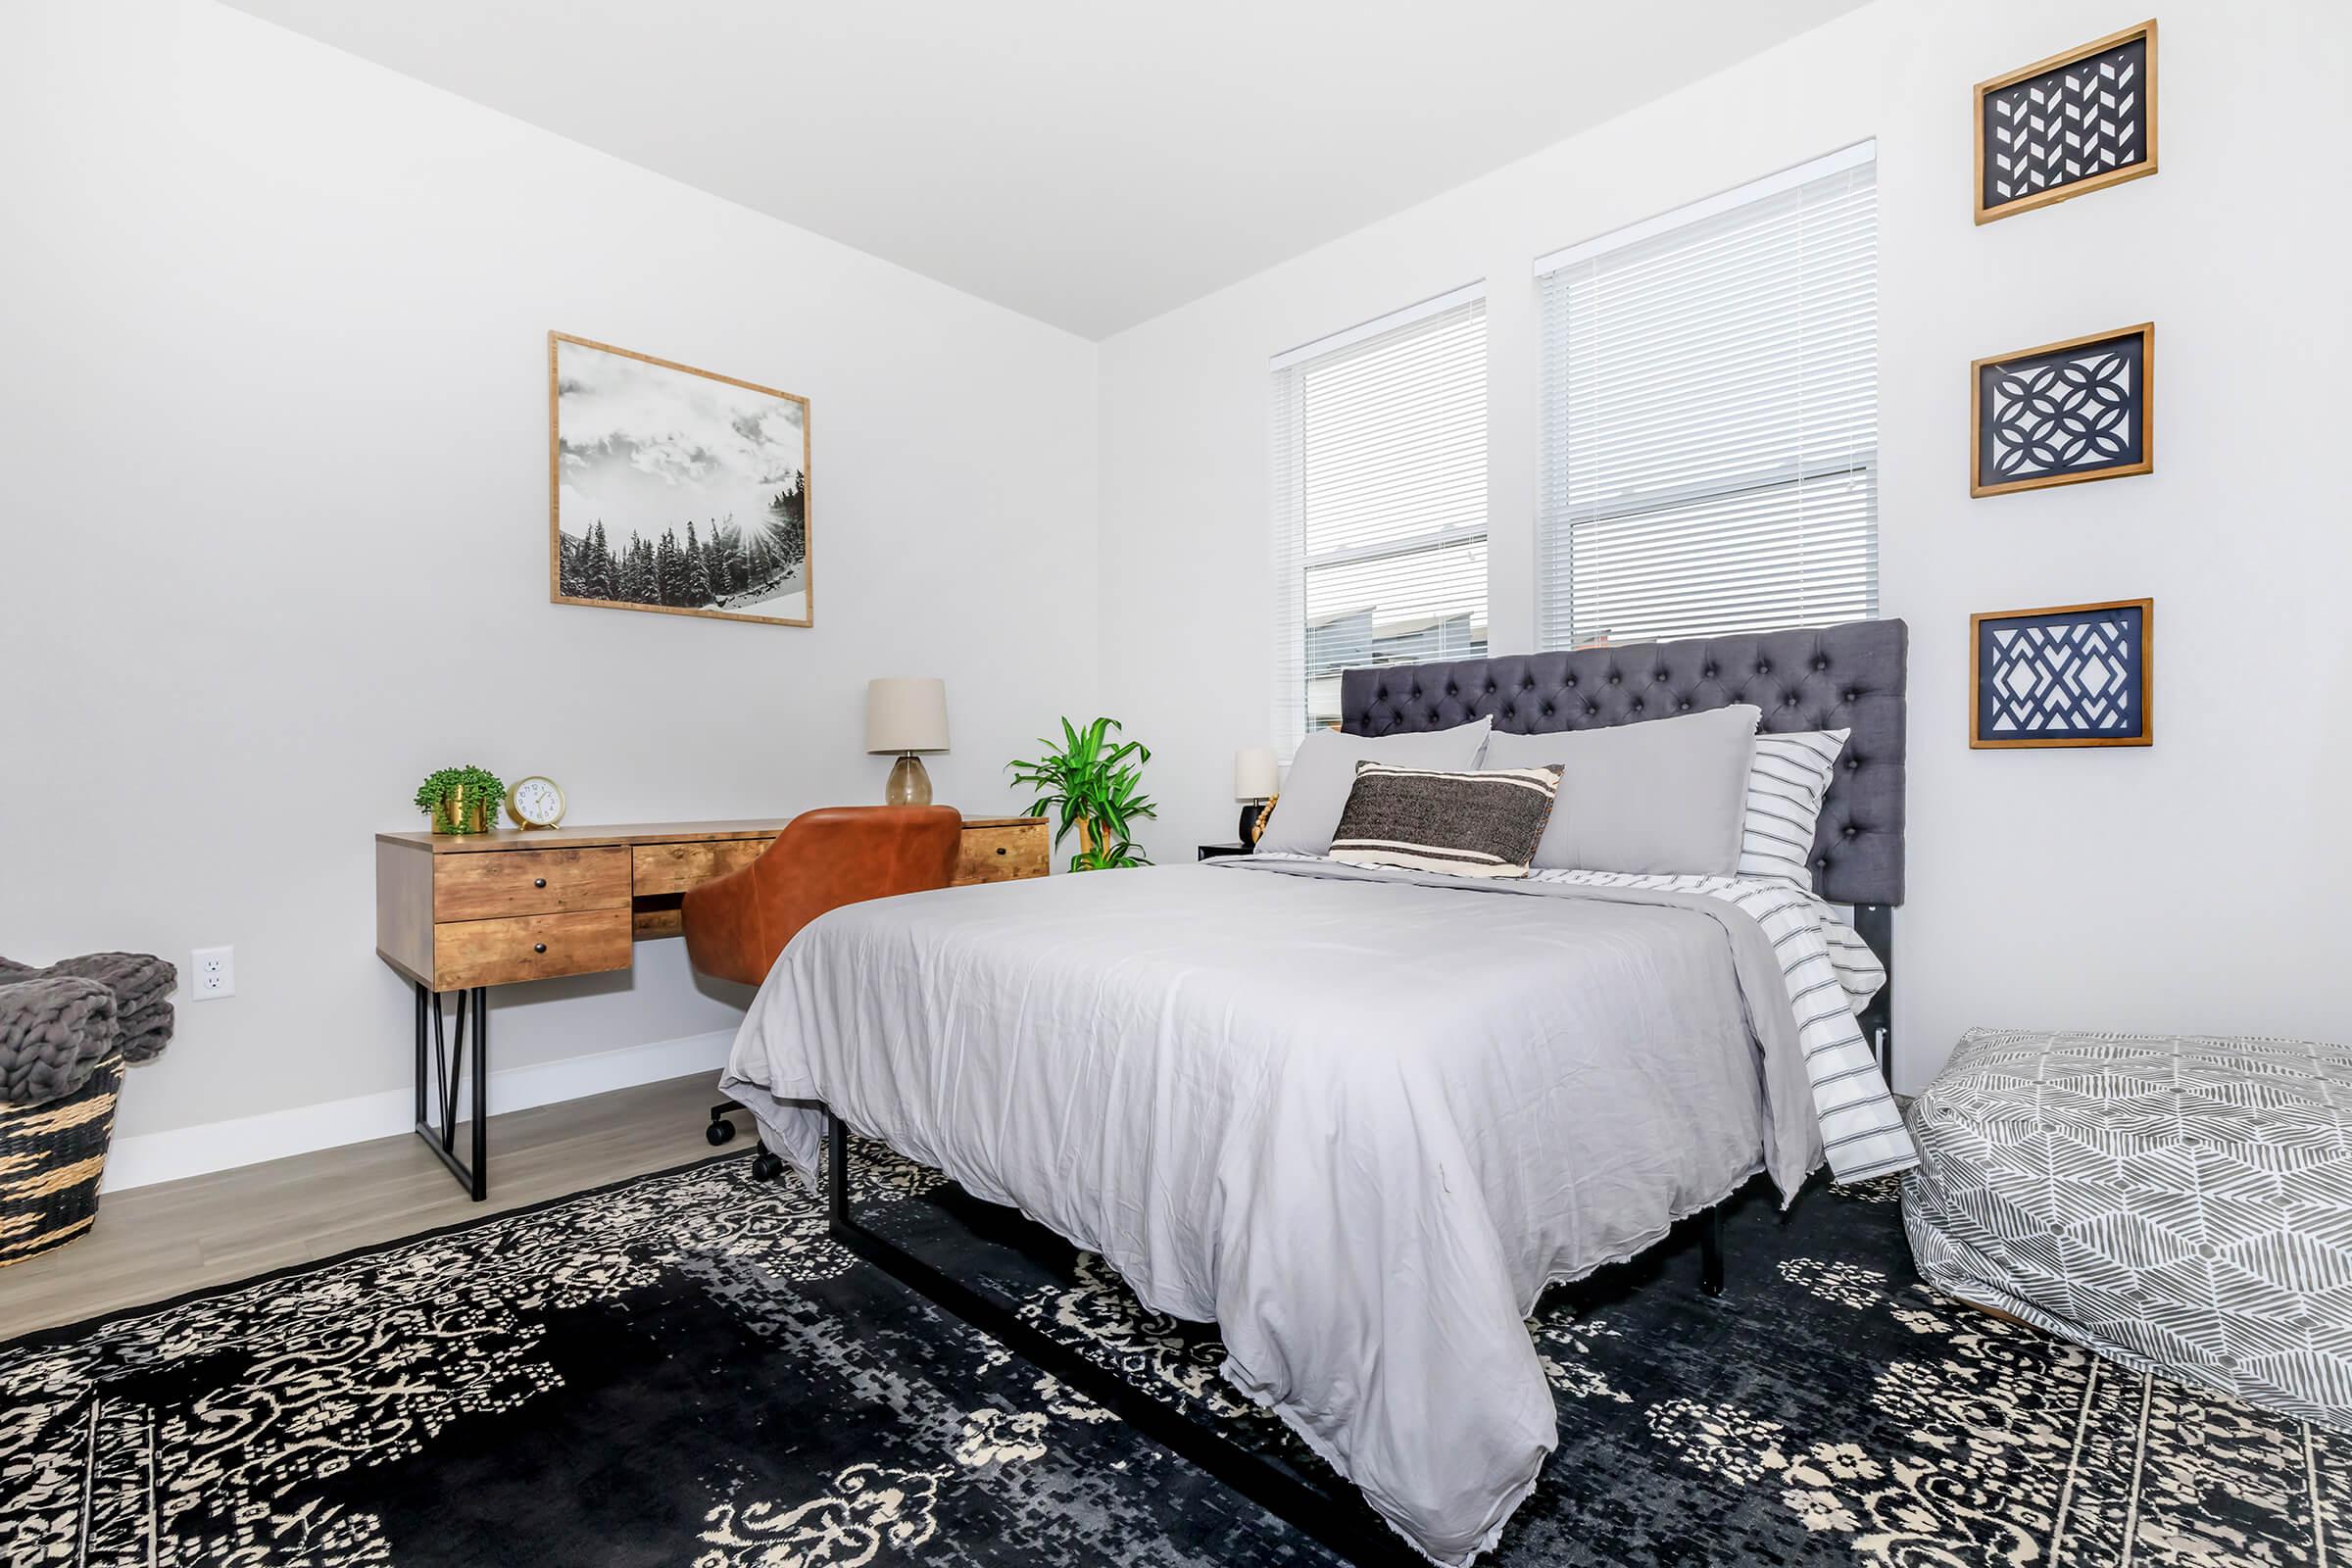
pixel 1359 1119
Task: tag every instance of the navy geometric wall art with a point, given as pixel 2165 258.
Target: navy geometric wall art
pixel 2068 675
pixel 2064 413
pixel 2075 123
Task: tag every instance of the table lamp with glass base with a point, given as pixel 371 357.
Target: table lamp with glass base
pixel 907 714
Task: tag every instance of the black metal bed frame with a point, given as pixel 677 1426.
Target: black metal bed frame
pixel 1345 1525
pixel 1873 923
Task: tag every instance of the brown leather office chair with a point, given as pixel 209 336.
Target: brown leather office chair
pixel 737 924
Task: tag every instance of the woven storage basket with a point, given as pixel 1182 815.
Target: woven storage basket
pixel 51 1157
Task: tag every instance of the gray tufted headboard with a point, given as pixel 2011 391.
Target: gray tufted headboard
pixel 1827 678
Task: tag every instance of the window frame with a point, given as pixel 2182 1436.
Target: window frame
pixel 1557 518
pixel 1294 674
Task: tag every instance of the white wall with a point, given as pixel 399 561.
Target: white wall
pixel 273 530
pixel 2192 885
pixel 272 533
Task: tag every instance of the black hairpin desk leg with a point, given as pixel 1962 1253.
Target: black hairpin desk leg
pixel 441 1072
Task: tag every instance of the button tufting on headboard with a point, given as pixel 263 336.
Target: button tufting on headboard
pixel 1835 677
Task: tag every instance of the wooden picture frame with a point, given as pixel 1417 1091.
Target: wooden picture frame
pixel 679 450
pixel 2006 122
pixel 2070 412
pixel 2107 651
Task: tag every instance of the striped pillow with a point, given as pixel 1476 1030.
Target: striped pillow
pixel 1486 823
pixel 1786 782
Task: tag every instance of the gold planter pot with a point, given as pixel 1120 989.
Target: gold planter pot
pixel 462 811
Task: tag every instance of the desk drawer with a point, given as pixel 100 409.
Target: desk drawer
pixel 675 867
pixel 507 882
pixel 1003 854
pixel 531 947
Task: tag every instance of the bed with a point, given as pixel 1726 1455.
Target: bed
pixel 1361 1118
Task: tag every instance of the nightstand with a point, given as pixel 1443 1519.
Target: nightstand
pixel 1213 852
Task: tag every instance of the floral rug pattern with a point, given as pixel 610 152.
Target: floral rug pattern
pixel 685 1368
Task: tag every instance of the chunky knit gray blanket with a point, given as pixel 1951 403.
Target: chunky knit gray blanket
pixel 37 1062
pixel 53 1030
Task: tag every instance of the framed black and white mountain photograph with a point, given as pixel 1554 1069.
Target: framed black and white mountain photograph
pixel 2064 127
pixel 674 489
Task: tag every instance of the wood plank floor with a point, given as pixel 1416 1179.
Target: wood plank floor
pixel 153 1242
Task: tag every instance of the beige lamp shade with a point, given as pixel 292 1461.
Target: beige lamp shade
pixel 1255 776
pixel 906 714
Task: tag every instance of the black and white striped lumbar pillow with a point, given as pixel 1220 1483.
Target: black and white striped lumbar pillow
pixel 1786 783
pixel 1486 823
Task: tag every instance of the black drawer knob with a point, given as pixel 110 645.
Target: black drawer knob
pixel 538 947
pixel 999 848
pixel 538 881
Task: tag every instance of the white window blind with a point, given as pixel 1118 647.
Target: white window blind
pixel 1380 503
pixel 1710 416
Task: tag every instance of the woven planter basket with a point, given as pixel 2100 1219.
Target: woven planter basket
pixel 51 1157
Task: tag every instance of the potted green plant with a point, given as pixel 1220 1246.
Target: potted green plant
pixel 461 799
pixel 1094 785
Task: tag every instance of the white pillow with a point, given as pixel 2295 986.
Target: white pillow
pixel 1665 797
pixel 1323 775
pixel 1786 783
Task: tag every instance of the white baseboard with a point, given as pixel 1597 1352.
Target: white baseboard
pixel 167 1156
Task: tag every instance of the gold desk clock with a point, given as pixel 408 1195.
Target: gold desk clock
pixel 535 801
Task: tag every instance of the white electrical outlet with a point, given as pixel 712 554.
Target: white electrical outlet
pixel 213 974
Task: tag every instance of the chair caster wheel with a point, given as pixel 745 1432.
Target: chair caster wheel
pixel 767 1167
pixel 720 1131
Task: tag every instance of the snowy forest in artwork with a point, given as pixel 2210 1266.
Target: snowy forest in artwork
pixel 679 490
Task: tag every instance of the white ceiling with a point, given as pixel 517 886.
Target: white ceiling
pixel 1085 162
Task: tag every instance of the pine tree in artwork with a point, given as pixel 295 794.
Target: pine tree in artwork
pixel 695 574
pixel 727 571
pixel 600 563
pixel 637 571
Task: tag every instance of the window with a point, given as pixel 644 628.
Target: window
pixel 1710 416
pixel 1380 503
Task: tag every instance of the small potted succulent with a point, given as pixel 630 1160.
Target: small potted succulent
pixel 461 799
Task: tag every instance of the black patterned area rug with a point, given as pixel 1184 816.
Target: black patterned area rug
pixel 684 1369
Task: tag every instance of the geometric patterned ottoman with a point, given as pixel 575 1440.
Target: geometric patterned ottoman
pixel 2183 1206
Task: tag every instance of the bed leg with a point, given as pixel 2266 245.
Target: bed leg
pixel 1711 1251
pixel 837 1171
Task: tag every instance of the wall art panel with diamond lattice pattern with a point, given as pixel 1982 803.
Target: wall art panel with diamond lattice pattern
pixel 2068 675
pixel 2072 123
pixel 2064 413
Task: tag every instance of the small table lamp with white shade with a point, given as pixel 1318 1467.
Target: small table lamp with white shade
pixel 907 714
pixel 1256 781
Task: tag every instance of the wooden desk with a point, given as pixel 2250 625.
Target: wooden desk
pixel 461 912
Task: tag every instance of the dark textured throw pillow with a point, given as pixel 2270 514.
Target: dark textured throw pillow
pixel 1315 789
pixel 1486 823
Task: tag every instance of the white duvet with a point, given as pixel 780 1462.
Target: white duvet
pixel 1357 1119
